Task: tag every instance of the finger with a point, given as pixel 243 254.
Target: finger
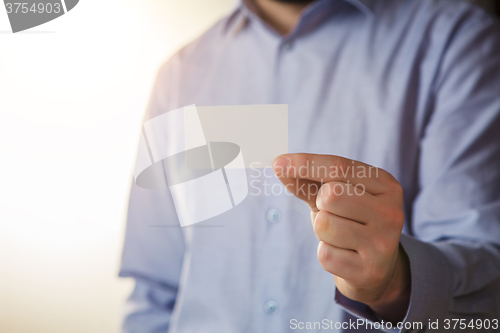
pixel 313 216
pixel 346 200
pixel 328 168
pixel 304 189
pixel 340 262
pixel 338 231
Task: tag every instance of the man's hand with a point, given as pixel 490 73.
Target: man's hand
pixel 357 215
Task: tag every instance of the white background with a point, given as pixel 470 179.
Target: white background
pixel 72 93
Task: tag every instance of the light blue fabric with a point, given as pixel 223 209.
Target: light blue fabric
pixel 411 86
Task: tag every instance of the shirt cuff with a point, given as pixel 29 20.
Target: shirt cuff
pixel 362 311
pixel 431 282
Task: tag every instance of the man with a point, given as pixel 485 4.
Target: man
pixel 412 87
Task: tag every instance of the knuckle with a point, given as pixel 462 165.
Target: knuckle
pixel 395 187
pixel 395 216
pixel 391 215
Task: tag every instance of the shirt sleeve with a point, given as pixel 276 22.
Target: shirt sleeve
pixel 455 255
pixel 454 251
pixel 154 245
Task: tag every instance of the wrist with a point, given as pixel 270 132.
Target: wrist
pixel 393 303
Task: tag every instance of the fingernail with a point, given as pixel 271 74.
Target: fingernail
pixel 281 164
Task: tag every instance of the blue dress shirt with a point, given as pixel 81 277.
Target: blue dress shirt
pixel 411 86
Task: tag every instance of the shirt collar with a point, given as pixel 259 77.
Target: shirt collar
pixel 240 14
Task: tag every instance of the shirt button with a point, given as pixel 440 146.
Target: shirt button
pixel 273 215
pixel 271 307
pixel 288 45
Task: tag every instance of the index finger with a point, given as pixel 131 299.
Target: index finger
pixel 328 168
